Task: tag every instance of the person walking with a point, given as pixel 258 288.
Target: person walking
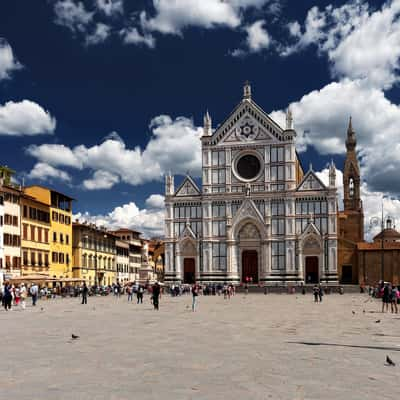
pixel 195 293
pixel 23 296
pixel 7 296
pixel 85 291
pixel 320 293
pixel 129 290
pixel 393 299
pixel 34 290
pixel 316 293
pixel 156 295
pixel 139 294
pixel 385 298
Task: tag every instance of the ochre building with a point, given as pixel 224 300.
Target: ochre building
pixel 35 236
pixel 60 208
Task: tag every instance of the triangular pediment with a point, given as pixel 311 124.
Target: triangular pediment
pixel 311 229
pixel 188 233
pixel 247 210
pixel 311 182
pixel 188 188
pixel 248 123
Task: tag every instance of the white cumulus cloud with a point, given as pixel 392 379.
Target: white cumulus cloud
pixel 173 146
pixel 8 62
pixel 149 220
pixel 132 36
pixel 110 7
pixel 101 180
pixel 323 115
pixel 155 201
pixel 25 118
pixel 45 172
pixel 359 43
pixel 73 15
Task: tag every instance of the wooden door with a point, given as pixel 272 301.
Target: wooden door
pixel 312 270
pixel 250 266
pixel 189 270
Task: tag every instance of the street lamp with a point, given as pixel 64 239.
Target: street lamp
pixel 376 221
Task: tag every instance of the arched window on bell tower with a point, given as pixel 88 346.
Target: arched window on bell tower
pixel 351 188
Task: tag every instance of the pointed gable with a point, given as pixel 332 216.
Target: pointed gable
pixel 246 210
pixel 311 182
pixel 247 123
pixel 188 232
pixel 188 188
pixel 310 229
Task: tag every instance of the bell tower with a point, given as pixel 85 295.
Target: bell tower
pixel 351 219
pixel 351 174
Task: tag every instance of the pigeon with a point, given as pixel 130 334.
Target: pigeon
pixel 364 311
pixel 389 361
pixel 377 321
pixel 354 313
pixel 74 336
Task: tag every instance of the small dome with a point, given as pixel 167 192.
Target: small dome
pixel 389 235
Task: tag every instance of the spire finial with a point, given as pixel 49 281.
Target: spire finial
pixel 351 136
pixel 247 91
pixel 350 128
pixel 207 124
pixel 310 166
pixel 289 119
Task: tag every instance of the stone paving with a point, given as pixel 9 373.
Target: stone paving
pixel 255 346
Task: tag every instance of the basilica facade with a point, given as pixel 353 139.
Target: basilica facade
pixel 257 217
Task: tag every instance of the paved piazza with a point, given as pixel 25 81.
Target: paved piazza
pixel 248 347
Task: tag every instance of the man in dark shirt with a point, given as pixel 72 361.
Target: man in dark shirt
pixel 156 295
pixel 85 291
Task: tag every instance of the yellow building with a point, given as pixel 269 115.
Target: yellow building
pixel 35 236
pixel 60 207
pixel 94 254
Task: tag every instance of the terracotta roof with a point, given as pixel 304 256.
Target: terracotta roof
pixel 387 234
pixel 377 246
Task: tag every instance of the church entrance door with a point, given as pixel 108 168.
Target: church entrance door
pixel 250 266
pixel 188 270
pixel 312 274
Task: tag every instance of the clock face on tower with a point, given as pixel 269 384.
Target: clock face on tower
pixel 247 130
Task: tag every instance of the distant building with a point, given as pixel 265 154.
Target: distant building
pixel 256 217
pixel 11 230
pixel 2 265
pixel 135 251
pixel 122 261
pixel 94 254
pixel 385 247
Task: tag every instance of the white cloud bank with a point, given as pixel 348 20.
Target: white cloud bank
pixel 359 43
pixel 45 172
pixel 174 146
pixel 149 220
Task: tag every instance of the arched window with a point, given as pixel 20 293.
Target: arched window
pixel 351 187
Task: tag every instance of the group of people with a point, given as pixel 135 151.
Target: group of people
pixel 390 295
pixel 15 295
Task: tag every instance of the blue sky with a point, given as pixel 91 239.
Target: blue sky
pixel 100 98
